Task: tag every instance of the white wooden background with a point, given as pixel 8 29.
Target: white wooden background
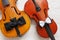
pixel 54 12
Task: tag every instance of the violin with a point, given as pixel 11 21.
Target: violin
pixel 14 23
pixel 38 10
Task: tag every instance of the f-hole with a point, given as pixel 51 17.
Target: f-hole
pixel 45 12
pixel 15 10
pixel 36 5
pixel 3 15
pixel 36 16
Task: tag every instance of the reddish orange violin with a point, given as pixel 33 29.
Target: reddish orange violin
pixel 38 10
pixel 14 22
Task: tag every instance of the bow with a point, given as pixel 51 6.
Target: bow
pixel 14 24
pixel 42 23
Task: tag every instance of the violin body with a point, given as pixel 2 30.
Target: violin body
pixel 38 10
pixel 14 22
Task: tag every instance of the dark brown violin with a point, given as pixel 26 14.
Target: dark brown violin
pixel 38 10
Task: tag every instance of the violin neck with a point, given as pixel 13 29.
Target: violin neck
pixel 36 5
